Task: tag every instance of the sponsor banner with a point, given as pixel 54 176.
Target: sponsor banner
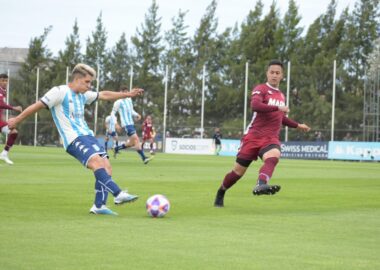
pixel 229 147
pixel 304 150
pixel 369 151
pixel 189 146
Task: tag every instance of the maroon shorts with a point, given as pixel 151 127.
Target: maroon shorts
pixel 3 124
pixel 145 138
pixel 250 147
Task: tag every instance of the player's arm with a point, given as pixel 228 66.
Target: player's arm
pixel 111 95
pixel 153 133
pixel 32 109
pixel 6 106
pixel 293 124
pixel 258 105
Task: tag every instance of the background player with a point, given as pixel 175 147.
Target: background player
pixel 148 133
pixel 66 104
pixel 217 141
pixel 111 123
pixel 261 138
pixel 126 112
pixel 12 133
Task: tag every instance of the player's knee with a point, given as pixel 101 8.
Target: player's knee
pixel 13 131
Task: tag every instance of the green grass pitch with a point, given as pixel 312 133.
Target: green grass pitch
pixel 327 215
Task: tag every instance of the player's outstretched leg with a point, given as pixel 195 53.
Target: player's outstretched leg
pixel 229 180
pixel 4 154
pixel 266 171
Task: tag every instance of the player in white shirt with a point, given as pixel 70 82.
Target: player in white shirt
pixel 124 107
pixel 66 104
pixel 111 123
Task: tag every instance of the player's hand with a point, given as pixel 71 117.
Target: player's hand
pixel 303 127
pixel 137 92
pixel 12 123
pixel 284 109
pixel 138 117
pixel 17 108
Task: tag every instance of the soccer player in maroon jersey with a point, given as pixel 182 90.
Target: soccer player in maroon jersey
pixel 148 133
pixel 261 138
pixel 12 133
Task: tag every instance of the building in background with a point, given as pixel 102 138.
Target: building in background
pixel 12 59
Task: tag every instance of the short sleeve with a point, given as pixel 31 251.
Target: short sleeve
pixel 116 107
pixel 53 97
pixel 91 96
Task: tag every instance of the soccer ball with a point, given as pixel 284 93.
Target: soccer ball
pixel 157 205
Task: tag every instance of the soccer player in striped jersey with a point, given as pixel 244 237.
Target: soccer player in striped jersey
pixel 66 104
pixel 111 123
pixel 124 107
pixel 12 133
pixel 261 138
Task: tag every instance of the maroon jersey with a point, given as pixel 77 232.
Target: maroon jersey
pixel 3 100
pixel 147 130
pixel 267 119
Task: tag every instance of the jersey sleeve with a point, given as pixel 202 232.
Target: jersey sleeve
pixel 116 107
pixel 289 122
pixel 91 96
pixel 53 97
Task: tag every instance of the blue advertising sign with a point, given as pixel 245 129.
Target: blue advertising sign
pixel 229 147
pixel 369 151
pixel 304 150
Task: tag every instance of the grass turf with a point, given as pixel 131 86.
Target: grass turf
pixel 327 215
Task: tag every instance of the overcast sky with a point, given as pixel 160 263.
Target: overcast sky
pixel 24 19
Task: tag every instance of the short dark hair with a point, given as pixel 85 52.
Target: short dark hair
pixel 275 62
pixel 3 76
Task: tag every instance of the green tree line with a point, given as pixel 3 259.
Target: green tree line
pixel 349 39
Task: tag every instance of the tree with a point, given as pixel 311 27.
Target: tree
pixel 148 47
pixel 67 58
pixel 96 52
pixel 39 56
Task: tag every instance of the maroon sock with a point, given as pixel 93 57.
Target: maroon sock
pixel 11 140
pixel 230 179
pixel 267 169
pixel 151 146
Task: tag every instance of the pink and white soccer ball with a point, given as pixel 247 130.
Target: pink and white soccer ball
pixel 157 205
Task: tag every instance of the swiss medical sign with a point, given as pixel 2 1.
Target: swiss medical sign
pixel 354 150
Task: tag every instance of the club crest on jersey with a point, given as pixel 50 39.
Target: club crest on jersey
pixel 276 102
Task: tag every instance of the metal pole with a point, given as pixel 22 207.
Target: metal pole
pixel 377 89
pixel 8 94
pixel 67 75
pixel 287 99
pixel 203 99
pixel 165 108
pixel 364 103
pixel 36 114
pixel 333 103
pixel 131 78
pixel 97 103
pixel 245 96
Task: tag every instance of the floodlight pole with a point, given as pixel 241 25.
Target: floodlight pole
pixel 131 79
pixel 36 114
pixel 203 99
pixel 8 94
pixel 97 103
pixel 67 75
pixel 165 108
pixel 245 97
pixel 333 103
pixel 287 98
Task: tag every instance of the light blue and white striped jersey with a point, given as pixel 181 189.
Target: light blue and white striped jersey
pixel 126 112
pixel 111 122
pixel 67 109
